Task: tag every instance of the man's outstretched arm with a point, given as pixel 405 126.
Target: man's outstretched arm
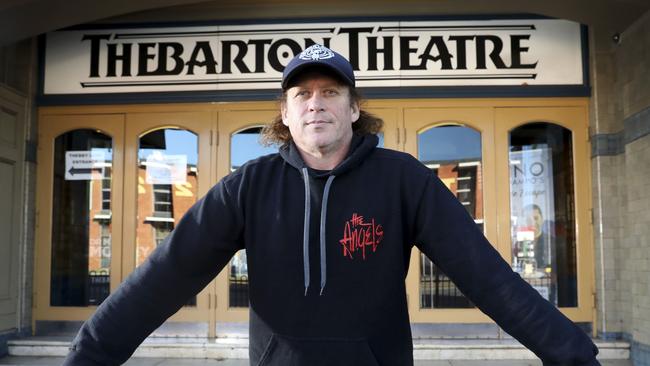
pixel 449 237
pixel 193 254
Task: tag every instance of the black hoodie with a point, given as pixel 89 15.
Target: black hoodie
pixel 328 253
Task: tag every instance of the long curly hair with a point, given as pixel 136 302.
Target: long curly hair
pixel 278 133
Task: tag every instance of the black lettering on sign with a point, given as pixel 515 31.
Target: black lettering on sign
pixel 353 43
pixel 443 53
pixel 95 42
pixel 113 57
pixel 461 50
pixel 516 49
pixel 259 52
pixel 143 58
pixel 405 51
pixel 175 57
pixel 274 61
pixel 238 60
pixel 203 50
pixel 495 54
pixel 374 51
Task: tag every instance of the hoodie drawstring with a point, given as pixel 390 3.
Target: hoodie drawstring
pixel 323 221
pixel 305 233
pixel 305 239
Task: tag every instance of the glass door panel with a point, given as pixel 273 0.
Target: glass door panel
pixel 547 235
pixel 239 136
pixel 453 153
pixel 81 218
pixel 167 186
pixel 455 145
pixel 168 169
pixel 78 236
pixel 244 146
pixel 542 210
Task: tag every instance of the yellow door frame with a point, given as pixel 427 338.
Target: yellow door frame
pixel 401 118
pixel 52 126
pixel 480 119
pixel 137 125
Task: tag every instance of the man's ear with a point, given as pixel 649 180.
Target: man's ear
pixel 283 111
pixel 356 111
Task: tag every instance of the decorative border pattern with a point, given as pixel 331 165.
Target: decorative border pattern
pixel 610 144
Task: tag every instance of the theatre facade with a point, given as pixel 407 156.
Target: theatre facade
pixel 138 122
pixel 536 127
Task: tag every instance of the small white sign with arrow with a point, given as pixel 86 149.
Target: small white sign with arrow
pixel 84 165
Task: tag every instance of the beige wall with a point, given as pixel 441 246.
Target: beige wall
pixel 620 123
pixel 17 90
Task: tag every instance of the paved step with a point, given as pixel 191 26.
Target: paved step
pixel 57 361
pixel 237 348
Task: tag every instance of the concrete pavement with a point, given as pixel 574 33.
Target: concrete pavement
pixel 56 361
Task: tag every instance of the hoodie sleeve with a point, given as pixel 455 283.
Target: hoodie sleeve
pixel 447 234
pixel 203 241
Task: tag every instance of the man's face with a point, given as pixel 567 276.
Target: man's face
pixel 534 219
pixel 319 113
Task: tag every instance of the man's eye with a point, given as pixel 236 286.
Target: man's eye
pixel 331 92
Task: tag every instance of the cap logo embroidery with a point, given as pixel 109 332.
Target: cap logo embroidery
pixel 316 52
pixel 362 236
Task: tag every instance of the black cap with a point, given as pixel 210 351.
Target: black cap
pixel 319 56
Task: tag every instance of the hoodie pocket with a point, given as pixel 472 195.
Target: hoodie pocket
pixel 288 351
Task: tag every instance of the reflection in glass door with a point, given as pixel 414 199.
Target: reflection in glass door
pixel 81 218
pixel 453 153
pixel 78 240
pixel 244 146
pixel 542 210
pixel 547 228
pixel 168 168
pixel 167 186
pixel 454 144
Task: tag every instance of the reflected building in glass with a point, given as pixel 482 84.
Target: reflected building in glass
pixel 453 153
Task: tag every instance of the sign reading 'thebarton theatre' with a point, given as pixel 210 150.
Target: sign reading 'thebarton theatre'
pixel 383 53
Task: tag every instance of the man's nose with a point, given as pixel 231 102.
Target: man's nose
pixel 316 102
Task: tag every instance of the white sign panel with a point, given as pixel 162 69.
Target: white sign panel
pixel 166 169
pixel 84 165
pixel 532 205
pixel 383 53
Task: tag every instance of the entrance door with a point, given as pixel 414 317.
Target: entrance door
pixel 12 133
pixel 97 221
pixel 239 142
pixel 457 145
pixel 79 225
pixel 544 220
pixel 515 171
pixel 114 180
pixel 167 163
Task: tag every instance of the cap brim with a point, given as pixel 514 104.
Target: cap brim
pixel 315 65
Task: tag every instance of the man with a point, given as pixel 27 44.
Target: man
pixel 328 225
